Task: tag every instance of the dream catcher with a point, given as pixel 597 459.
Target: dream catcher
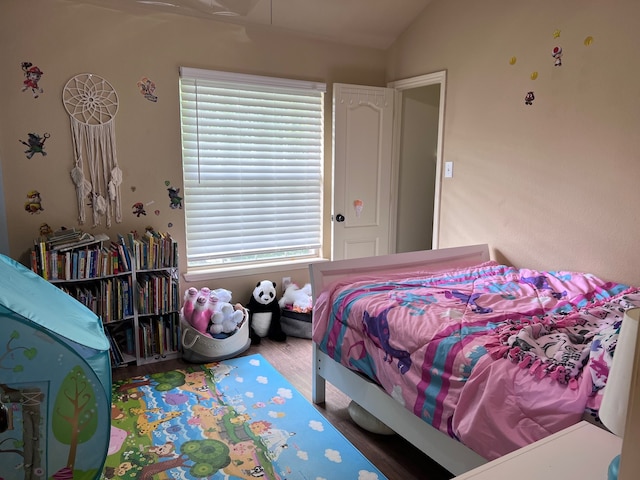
pixel 92 104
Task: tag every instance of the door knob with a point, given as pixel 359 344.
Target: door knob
pixel 339 218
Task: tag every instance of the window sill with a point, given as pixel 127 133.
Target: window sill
pixel 240 271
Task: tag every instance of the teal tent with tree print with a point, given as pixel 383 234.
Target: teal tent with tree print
pixel 55 381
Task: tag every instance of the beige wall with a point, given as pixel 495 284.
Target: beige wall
pixel 65 39
pixel 551 185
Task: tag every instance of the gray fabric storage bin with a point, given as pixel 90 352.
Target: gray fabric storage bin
pixel 296 324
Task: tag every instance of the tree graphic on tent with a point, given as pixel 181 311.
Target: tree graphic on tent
pixel 9 354
pixel 75 418
pixel 29 445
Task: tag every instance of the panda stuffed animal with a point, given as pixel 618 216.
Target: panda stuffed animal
pixel 264 313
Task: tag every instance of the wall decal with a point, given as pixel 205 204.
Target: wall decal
pixel 529 98
pixel 45 230
pixel 358 205
pixel 556 34
pixel 147 89
pixel 557 54
pixel 32 78
pixel 138 209
pixel 35 144
pixel 513 60
pixel 588 41
pixel 34 202
pixel 534 75
pixel 175 200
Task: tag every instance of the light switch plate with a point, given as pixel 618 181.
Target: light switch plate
pixel 448 169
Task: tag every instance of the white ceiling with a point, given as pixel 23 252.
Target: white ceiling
pixel 372 23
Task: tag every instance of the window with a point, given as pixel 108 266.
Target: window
pixel 252 152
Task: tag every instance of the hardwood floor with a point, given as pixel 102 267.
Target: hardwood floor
pixel 393 456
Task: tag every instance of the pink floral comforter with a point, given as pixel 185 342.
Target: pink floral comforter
pixel 493 356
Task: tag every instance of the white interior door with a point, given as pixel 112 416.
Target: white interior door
pixel 363 137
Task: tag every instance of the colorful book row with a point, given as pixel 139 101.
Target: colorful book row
pixel 89 262
pixel 157 293
pixel 159 336
pixel 109 298
pixel 148 252
pixel 152 250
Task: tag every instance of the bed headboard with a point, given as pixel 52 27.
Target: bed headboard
pixel 324 273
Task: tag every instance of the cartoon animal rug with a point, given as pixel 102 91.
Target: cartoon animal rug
pixel 237 419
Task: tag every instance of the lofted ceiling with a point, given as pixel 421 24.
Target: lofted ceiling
pixel 370 23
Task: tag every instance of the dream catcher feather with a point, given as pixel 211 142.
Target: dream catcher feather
pixel 92 104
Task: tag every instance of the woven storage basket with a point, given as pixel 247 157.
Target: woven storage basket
pixel 200 348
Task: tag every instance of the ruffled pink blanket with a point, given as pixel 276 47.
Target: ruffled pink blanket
pixel 491 355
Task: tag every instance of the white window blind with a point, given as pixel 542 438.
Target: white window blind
pixel 252 153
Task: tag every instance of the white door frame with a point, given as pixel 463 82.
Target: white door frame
pixel 399 86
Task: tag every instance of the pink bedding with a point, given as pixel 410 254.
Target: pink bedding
pixel 493 356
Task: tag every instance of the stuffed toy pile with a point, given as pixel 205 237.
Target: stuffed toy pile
pixel 211 312
pixel 264 313
pixel 297 299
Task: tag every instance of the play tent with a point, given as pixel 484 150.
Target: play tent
pixel 55 381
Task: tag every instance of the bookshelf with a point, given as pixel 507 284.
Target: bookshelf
pixel 130 282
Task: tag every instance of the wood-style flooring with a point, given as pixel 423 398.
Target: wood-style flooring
pixel 393 456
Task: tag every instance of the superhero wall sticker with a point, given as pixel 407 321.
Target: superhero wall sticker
pixel 139 209
pixel 557 53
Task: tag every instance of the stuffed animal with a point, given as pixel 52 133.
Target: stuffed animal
pixel 232 318
pixel 189 302
pixel 201 315
pixel 215 326
pixel 264 313
pixel 210 311
pixel 226 320
pixel 297 299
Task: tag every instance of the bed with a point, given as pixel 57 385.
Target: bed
pixel 489 357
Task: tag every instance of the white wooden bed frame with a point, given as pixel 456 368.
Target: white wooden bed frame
pixel 449 453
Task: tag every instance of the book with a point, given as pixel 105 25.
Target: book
pixel 85 240
pixel 124 251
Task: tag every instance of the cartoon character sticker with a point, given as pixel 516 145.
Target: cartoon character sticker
pixel 34 202
pixel 175 200
pixel 529 98
pixel 557 54
pixel 35 144
pixel 32 77
pixel 147 89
